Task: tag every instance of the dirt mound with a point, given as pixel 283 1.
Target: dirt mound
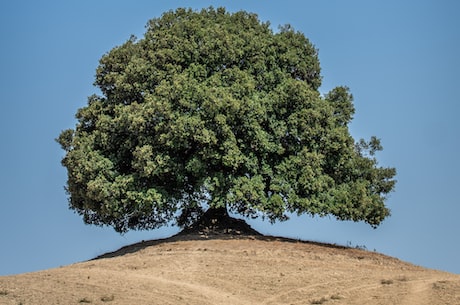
pixel 234 269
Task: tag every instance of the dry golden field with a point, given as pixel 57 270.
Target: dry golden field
pixel 224 269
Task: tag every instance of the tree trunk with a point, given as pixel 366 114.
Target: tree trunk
pixel 216 214
pixel 217 221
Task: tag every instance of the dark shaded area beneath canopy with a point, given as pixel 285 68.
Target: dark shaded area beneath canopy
pixel 216 221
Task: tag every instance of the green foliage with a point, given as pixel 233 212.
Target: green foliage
pixel 215 109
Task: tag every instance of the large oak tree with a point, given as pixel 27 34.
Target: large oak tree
pixel 214 110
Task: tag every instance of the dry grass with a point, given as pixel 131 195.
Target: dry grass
pixel 243 270
pixel 319 301
pixel 387 282
pixel 107 298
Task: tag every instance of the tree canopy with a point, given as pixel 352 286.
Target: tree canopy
pixel 212 109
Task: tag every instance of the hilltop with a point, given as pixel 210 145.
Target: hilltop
pixel 215 268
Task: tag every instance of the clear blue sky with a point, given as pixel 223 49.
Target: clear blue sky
pixel 399 58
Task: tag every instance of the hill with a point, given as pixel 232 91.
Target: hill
pixel 234 269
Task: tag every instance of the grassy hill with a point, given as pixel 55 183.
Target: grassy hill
pixel 232 269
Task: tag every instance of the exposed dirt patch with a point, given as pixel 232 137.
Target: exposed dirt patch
pixel 199 268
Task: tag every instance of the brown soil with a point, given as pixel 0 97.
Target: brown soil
pixel 215 268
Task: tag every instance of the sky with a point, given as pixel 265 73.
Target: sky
pixel 399 59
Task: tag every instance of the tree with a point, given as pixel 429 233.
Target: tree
pixel 214 110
